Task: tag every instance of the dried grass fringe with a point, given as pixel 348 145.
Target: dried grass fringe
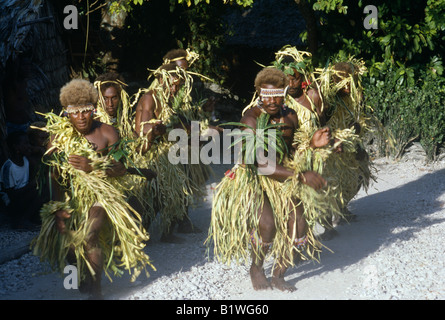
pixel 122 241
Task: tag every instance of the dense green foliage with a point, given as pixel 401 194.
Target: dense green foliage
pixel 405 84
pixel 154 27
pixel 410 35
pixel 410 113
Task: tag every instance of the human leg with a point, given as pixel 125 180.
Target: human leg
pixel 96 219
pixel 262 239
pixel 297 230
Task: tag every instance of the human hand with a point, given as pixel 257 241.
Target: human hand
pixel 321 138
pixel 159 129
pixel 80 163
pixel 117 169
pixel 61 216
pixel 312 179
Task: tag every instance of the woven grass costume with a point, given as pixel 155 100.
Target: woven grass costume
pixel 291 60
pixel 121 239
pixel 179 186
pixel 242 193
pixel 138 186
pixel 349 122
pixel 344 173
pixel 301 62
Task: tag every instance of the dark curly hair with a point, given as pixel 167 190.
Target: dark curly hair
pixel 175 53
pixel 110 79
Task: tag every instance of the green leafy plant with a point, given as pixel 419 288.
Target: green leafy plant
pixel 410 112
pixel 263 136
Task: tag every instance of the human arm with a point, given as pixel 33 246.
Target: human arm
pixel 320 138
pixel 118 168
pixel 146 173
pixel 104 138
pixel 145 113
pixel 279 172
pixel 316 100
pixel 111 135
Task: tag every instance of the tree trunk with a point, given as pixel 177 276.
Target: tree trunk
pixel 311 24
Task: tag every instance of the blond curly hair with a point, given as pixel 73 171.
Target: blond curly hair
pixel 78 92
pixel 270 76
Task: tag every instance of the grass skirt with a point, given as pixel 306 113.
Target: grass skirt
pixel 122 239
pixel 240 196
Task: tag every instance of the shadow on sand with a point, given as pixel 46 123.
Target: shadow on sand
pixel 407 208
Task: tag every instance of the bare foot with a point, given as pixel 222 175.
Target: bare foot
pixel 259 280
pixel 279 283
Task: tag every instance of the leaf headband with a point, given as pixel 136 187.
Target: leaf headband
pixel 301 60
pixel 190 57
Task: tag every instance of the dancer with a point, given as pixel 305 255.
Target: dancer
pixel 114 108
pixel 269 208
pixel 89 222
pixel 340 85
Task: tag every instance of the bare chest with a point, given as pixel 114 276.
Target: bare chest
pixel 97 141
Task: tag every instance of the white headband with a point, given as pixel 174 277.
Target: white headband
pixel 272 92
pixel 79 108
